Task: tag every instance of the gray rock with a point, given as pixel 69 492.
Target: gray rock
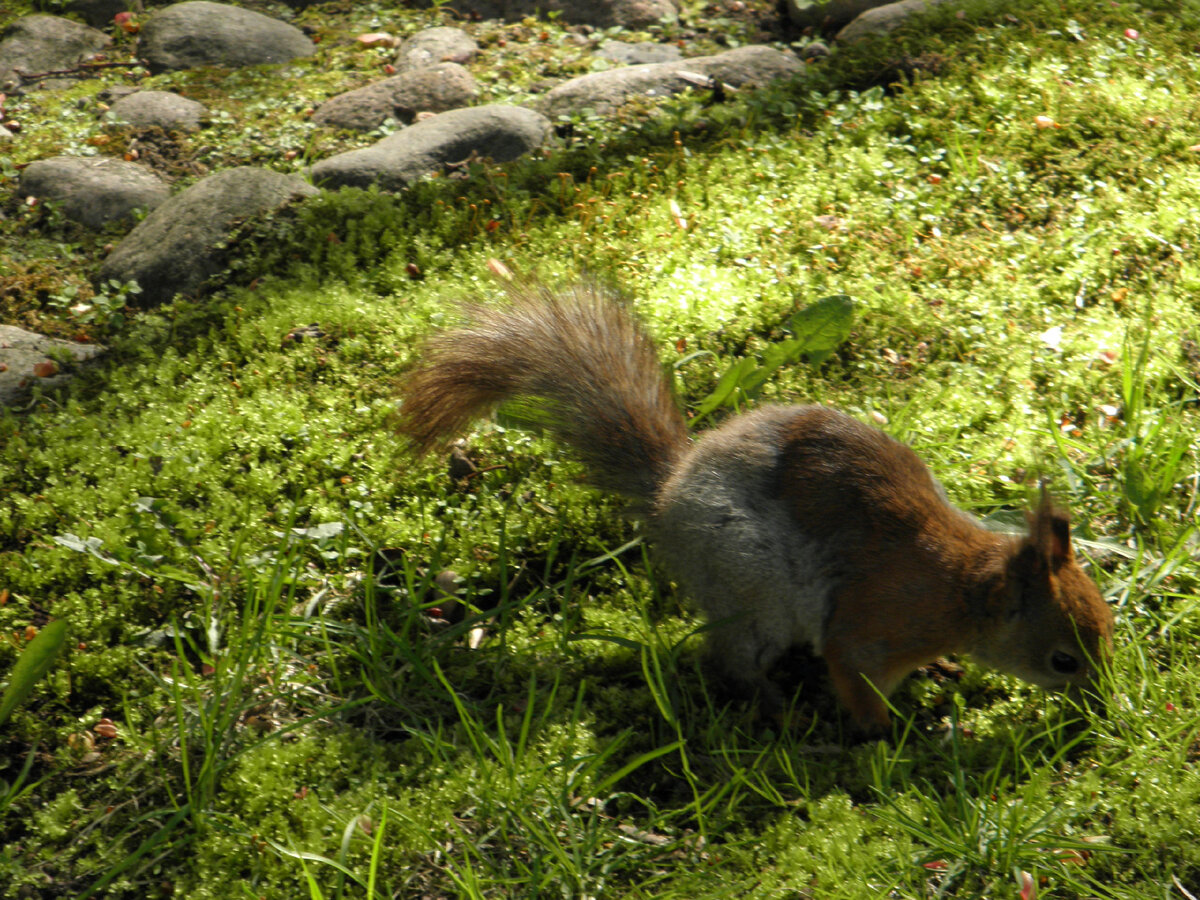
pixel 93 190
pixel 427 89
pixel 180 245
pixel 602 13
pixel 639 54
pixel 436 45
pixel 5 133
pixel 604 92
pixel 200 33
pixel 883 19
pixel 169 111
pixel 814 50
pixel 35 44
pixel 498 132
pixel 28 359
pixel 828 13
pixel 115 92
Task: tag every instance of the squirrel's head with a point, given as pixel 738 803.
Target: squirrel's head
pixel 1055 629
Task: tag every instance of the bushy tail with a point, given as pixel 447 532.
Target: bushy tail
pixel 577 350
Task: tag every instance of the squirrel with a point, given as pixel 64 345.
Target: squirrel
pixel 788 525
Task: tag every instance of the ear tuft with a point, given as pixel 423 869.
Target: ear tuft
pixel 1050 532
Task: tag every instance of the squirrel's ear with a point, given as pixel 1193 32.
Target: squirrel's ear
pixel 1050 532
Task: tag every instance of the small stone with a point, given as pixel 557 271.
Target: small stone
pixel 883 19
pixel 93 190
pixel 427 89
pixel 639 54
pixel 28 358
pixel 167 110
pixel 436 45
pixel 201 33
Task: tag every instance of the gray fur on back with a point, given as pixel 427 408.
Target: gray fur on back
pixel 725 534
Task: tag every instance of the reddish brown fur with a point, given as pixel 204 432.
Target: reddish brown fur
pixel 928 581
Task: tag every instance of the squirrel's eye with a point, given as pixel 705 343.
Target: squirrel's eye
pixel 1063 663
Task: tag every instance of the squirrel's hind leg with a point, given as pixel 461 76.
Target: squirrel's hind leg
pixel 743 657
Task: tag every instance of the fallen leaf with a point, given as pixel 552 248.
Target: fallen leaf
pixel 1052 337
pixel 45 369
pixel 376 39
pixel 677 215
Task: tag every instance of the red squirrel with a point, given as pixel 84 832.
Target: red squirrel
pixel 788 525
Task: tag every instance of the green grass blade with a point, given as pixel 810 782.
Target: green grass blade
pixel 32 666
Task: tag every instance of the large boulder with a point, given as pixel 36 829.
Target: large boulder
pixel 200 33
pixel 436 45
pixel 93 190
pixel 603 92
pixel 28 359
pixel 35 44
pixel 182 243
pixel 497 132
pixel 167 110
pixel 426 89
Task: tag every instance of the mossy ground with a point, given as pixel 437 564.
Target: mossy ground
pixel 1016 223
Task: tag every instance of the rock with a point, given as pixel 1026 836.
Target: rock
pixel 639 54
pixel 28 359
pixel 883 19
pixel 144 109
pixel 814 50
pixel 93 190
pixel 604 92
pixel 828 13
pixel 436 45
pixel 200 33
pixel 5 133
pixel 429 88
pixel 35 44
pixel 180 245
pixel 601 13
pixel 115 92
pixel 498 132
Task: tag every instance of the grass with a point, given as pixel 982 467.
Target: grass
pixel 301 664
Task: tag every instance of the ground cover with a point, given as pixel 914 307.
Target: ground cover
pixel 265 693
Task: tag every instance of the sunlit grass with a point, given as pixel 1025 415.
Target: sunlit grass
pixel 301 710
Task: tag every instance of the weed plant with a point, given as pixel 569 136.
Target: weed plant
pixel 299 663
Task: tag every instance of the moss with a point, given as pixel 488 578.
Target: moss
pixel 236 466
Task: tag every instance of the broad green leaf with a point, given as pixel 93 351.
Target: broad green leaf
pixel 729 382
pixel 33 664
pixel 817 331
pixel 821 327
